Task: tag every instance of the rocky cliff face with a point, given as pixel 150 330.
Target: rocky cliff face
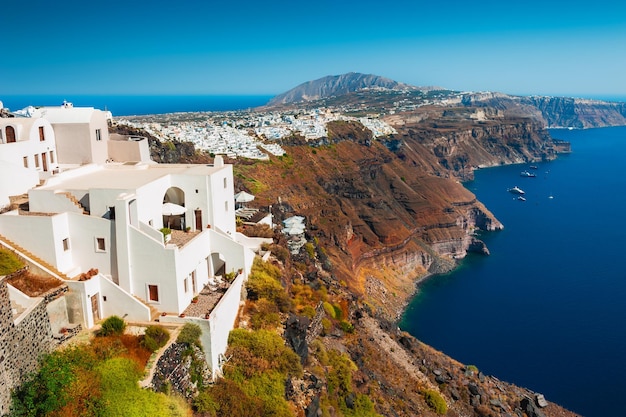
pixel 554 111
pixel 390 210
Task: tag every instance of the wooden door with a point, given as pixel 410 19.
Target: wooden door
pixel 95 307
pixel 198 214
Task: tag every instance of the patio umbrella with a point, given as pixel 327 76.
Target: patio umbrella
pixel 243 197
pixel 171 209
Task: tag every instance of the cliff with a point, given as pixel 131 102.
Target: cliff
pixel 387 211
pixel 577 113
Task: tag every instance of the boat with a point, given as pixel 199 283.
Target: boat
pixel 520 198
pixel 516 190
pixel 527 174
pixel 533 167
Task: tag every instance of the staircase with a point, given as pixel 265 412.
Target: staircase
pixel 75 201
pixel 32 258
pixel 154 313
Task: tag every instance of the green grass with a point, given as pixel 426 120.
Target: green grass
pixel 9 262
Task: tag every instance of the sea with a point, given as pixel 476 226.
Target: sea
pixel 133 105
pixel 547 309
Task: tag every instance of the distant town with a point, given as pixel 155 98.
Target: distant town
pixel 252 135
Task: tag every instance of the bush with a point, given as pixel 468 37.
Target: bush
pixel 346 326
pixel 190 334
pixel 264 282
pixel 114 325
pixel 330 310
pixel 436 402
pixel 155 338
pixel 264 315
pixel 264 348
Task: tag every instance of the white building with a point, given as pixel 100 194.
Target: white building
pixel 81 132
pixel 27 154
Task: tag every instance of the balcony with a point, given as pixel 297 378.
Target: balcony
pixel 208 298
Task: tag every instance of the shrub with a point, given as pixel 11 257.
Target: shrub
pixel 264 282
pixel 190 334
pixel 264 315
pixel 330 310
pixel 310 250
pixel 436 402
pixel 266 348
pixel 155 338
pixel 327 326
pixel 114 325
pixel 346 326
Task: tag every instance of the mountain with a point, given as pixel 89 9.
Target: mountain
pixel 336 85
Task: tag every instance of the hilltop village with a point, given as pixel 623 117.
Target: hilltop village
pixel 251 135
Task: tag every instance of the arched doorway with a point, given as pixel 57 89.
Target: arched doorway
pixel 218 264
pixel 10 131
pixel 174 208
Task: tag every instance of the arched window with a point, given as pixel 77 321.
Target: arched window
pixel 10 131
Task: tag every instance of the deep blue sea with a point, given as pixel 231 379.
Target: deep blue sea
pixel 547 308
pixel 140 105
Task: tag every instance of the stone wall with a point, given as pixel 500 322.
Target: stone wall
pixel 22 341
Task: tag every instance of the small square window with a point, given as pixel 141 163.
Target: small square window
pixel 52 157
pixel 98 135
pixel 37 161
pixel 66 244
pixel 100 244
pixel 42 135
pixel 186 285
pixel 225 182
pixel 25 162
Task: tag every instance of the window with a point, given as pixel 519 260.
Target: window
pixel 25 162
pixel 37 161
pixel 225 182
pixel 100 244
pixel 52 157
pixel 42 136
pixel 225 205
pixel 98 134
pixel 185 285
pixel 10 130
pixel 153 293
pixel 66 244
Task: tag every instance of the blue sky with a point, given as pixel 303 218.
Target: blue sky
pixel 244 47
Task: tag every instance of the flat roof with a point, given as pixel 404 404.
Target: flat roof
pixel 122 176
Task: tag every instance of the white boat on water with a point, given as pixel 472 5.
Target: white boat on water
pixel 516 190
pixel 520 198
pixel 527 174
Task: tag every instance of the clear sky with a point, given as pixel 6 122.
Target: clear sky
pixel 267 47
